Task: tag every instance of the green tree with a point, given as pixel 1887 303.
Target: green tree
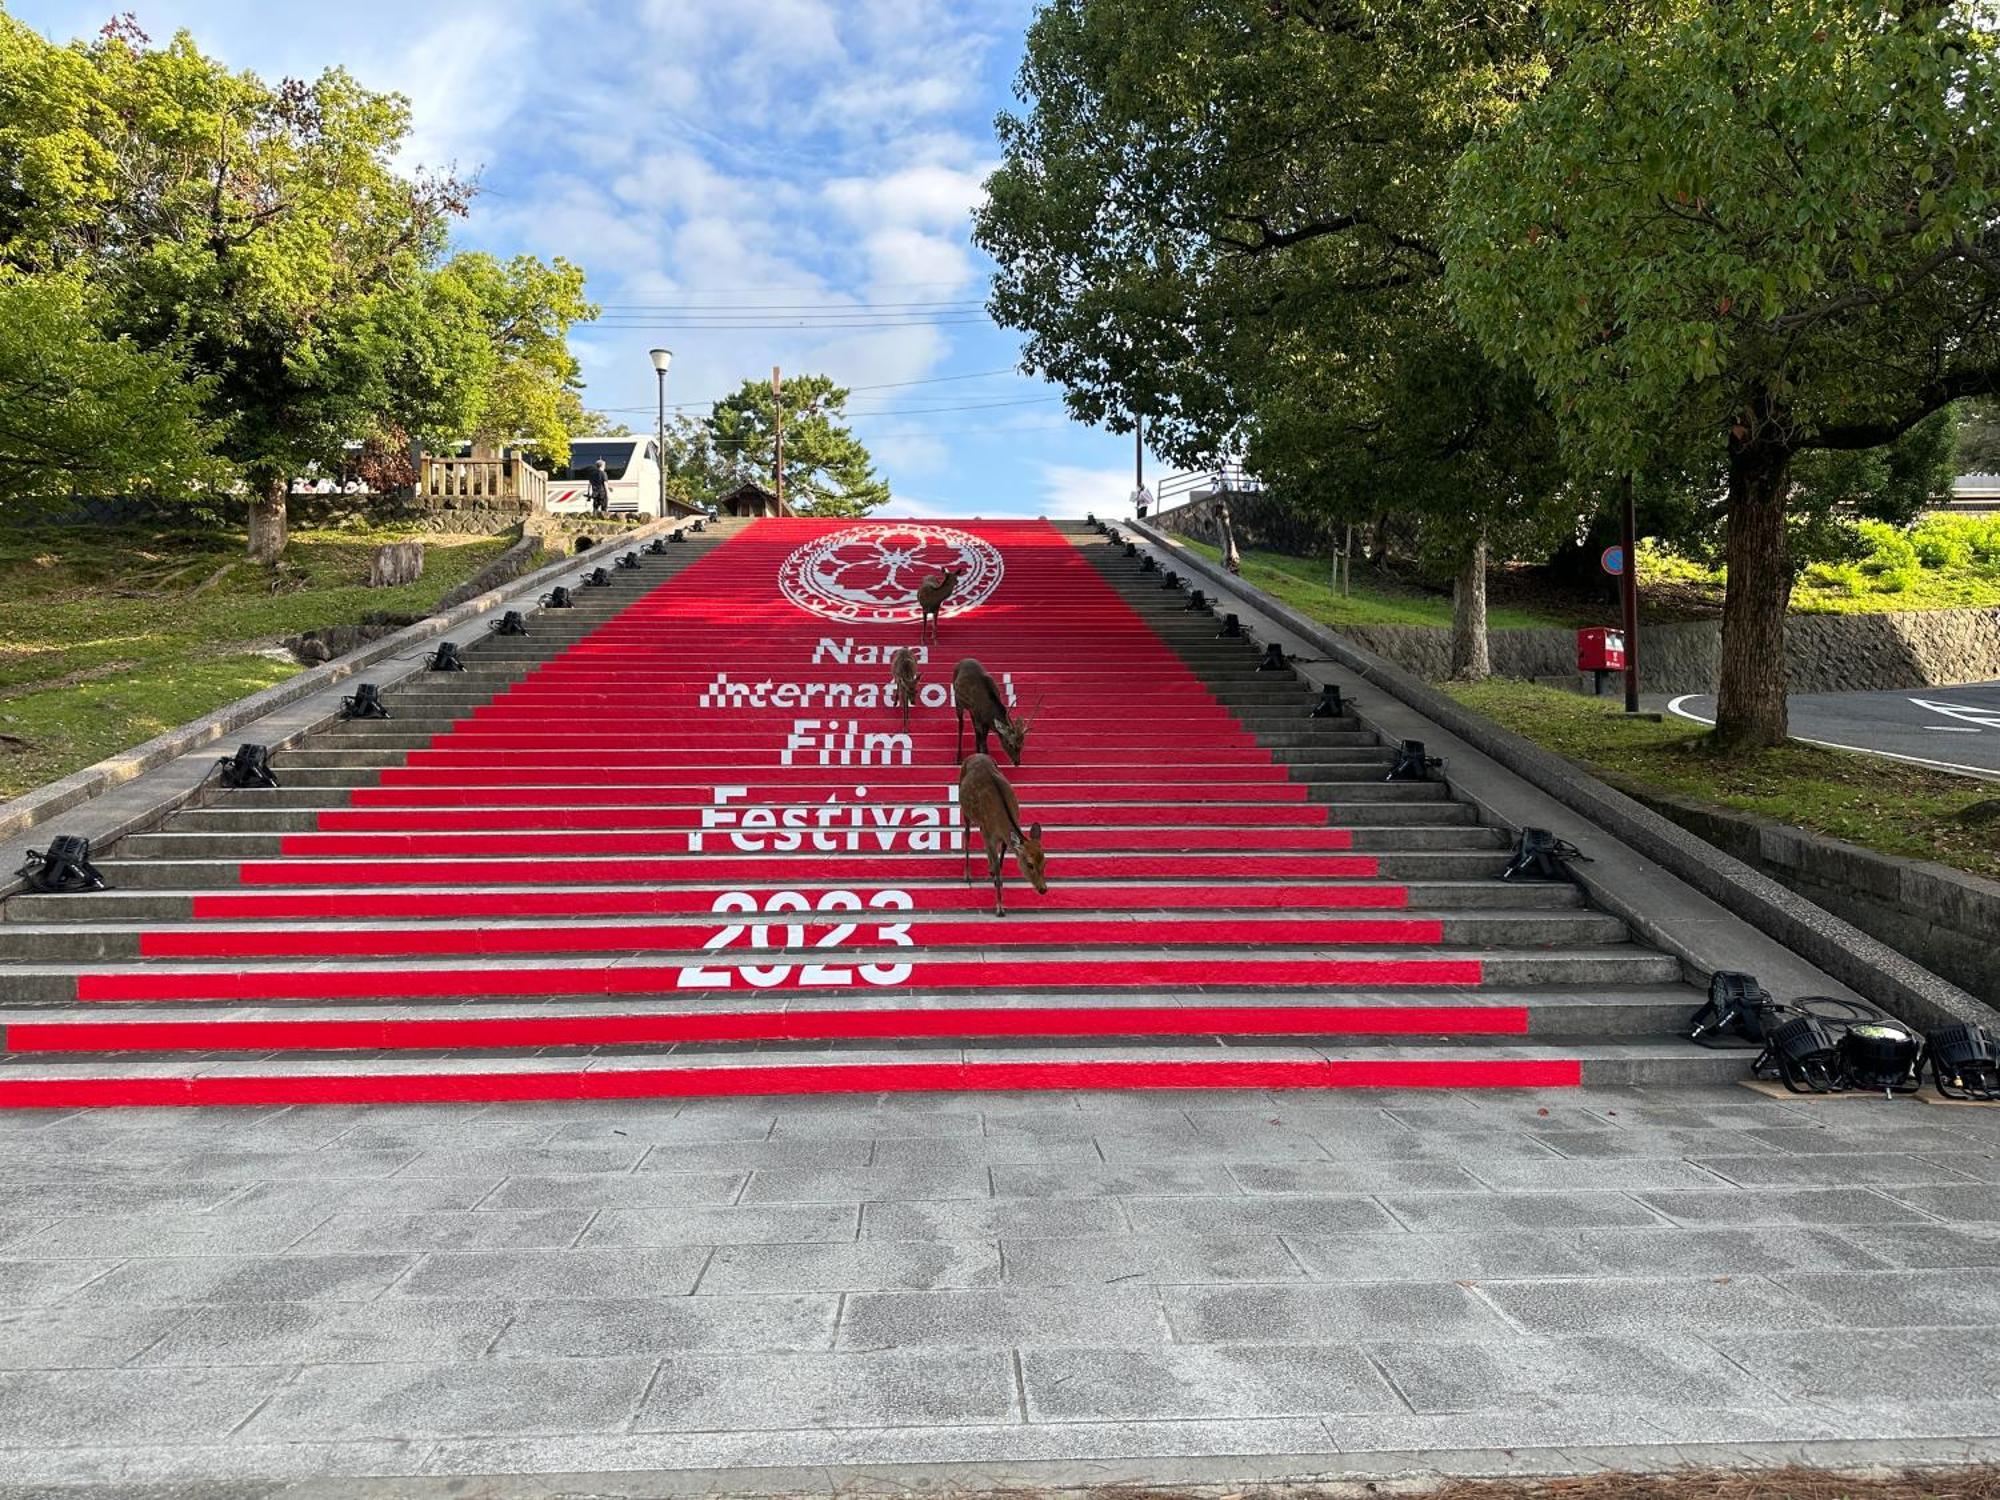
pixel 82 414
pixel 1753 232
pixel 525 308
pixel 1243 247
pixel 827 469
pixel 1979 437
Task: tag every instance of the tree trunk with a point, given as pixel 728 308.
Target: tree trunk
pixel 1470 660
pixel 269 529
pixel 1231 558
pixel 1378 547
pixel 1750 710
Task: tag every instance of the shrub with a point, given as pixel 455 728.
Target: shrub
pixel 1896 580
pixel 1889 550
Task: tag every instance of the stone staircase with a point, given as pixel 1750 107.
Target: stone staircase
pixel 674 842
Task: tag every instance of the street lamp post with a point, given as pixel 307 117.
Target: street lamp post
pixel 661 359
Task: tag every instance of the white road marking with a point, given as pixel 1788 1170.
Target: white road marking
pixel 1974 714
pixel 1984 773
pixel 1951 729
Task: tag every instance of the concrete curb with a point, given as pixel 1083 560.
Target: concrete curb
pixel 32 809
pixel 1873 969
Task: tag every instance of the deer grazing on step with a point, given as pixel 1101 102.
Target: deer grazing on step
pixel 987 803
pixel 974 692
pixel 931 594
pixel 904 679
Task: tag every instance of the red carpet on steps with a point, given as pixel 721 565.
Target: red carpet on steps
pixel 718 748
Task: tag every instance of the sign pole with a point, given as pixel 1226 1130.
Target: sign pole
pixel 1628 587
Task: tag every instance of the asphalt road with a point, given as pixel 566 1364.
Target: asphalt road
pixel 1954 727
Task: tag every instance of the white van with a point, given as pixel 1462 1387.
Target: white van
pixel 631 469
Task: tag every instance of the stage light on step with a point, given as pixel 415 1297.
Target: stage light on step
pixel 1131 549
pixel 701 525
pixel 1147 565
pixel 365 702
pixel 558 598
pixel 1737 1006
pixel 1330 705
pixel 64 870
pixel 1804 1055
pixel 249 766
pixel 445 658
pixel 629 562
pixel 680 535
pixel 1197 603
pixel 657 547
pixel 1882 1055
pixel 511 623
pixel 1274 658
pixel 1965 1063
pixel 1540 855
pixel 1412 764
pixel 597 578
pixel 1171 581
pixel 1231 627
pixel 1091 517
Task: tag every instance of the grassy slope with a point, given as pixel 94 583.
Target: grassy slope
pixel 109 637
pixel 1301 583
pixel 1879 804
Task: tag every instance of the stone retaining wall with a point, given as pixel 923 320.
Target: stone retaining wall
pixel 1943 918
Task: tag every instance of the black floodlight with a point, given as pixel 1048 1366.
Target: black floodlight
pixel 64 870
pixel 1884 1055
pixel 597 578
pixel 1197 603
pixel 629 562
pixel 1171 581
pixel 558 598
pixel 1274 658
pixel 365 702
pixel 1737 1004
pixel 1805 1055
pixel 445 658
pixel 1131 549
pixel 249 766
pixel 1965 1063
pixel 1540 855
pixel 1411 763
pixel 1091 516
pixel 511 623
pixel 680 534
pixel 700 524
pixel 657 547
pixel 1112 536
pixel 1231 627
pixel 1330 705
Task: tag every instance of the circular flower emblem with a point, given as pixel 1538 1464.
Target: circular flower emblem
pixel 869 574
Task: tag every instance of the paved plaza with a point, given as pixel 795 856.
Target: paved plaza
pixel 1124 1280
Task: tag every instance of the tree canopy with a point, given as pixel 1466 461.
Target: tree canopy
pixel 828 471
pixel 1751 232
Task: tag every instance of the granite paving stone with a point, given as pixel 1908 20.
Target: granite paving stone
pixel 1675 1251
pixel 1901 1368
pixel 656 1327
pixel 1095 1317
pixel 313 1333
pixel 381 1195
pixel 1319 1177
pixel 1892 1168
pixel 249 1278
pixel 65 1408
pixel 1268 1215
pixel 1807 1206
pixel 525 1161
pixel 1432 1213
pixel 493 1397
pixel 1034 1218
pixel 517 1274
pixel 1319 1314
pixel 1977 1201
pixel 1401 1256
pixel 1147 1259
pixel 888 1388
pixel 29 1283
pixel 1113 1385
pixel 785 1224
pixel 225 1231
pixel 552 1229
pixel 79 1337
pixel 869 1184
pixel 1966 1298
pixel 1638 1374
pixel 612 1190
pixel 1923 1246
pixel 868 1265
pixel 1650 1305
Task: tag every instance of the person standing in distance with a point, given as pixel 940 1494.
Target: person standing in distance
pixel 600 490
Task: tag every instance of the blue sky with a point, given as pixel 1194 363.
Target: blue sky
pixel 814 159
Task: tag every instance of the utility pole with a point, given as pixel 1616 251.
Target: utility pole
pixel 1628 587
pixel 778 448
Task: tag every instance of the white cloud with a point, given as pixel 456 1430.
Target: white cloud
pixel 1072 490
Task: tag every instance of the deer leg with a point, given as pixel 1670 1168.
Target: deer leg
pixel 958 734
pixel 995 858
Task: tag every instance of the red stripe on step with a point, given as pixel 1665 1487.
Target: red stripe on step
pixel 361 906
pixel 195 942
pixel 684 1083
pixel 639 817
pixel 703 866
pixel 563 842
pixel 549 788
pixel 636 979
pixel 773 1026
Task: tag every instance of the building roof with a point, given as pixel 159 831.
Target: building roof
pixel 751 487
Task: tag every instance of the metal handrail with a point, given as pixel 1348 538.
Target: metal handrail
pixel 1176 490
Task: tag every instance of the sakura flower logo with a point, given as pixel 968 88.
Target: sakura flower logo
pixel 869 574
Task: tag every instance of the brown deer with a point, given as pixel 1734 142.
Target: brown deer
pixel 903 677
pixel 931 594
pixel 974 692
pixel 987 802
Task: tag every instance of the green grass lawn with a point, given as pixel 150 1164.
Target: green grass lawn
pixel 109 636
pixel 1302 583
pixel 1879 804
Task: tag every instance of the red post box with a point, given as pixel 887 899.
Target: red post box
pixel 1600 650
